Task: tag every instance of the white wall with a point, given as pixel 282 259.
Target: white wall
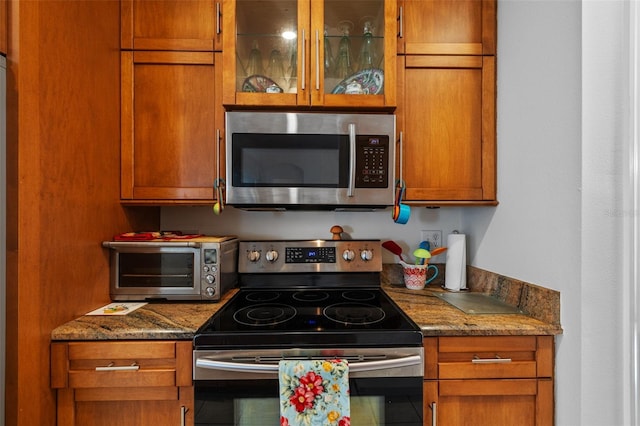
pixel 535 233
pixel 312 225
pixel 560 152
pixel 563 90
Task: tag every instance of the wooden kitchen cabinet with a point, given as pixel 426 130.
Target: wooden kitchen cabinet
pixel 142 383
pixel 447 148
pixel 172 125
pixel 489 381
pixel 312 67
pixel 3 27
pixel 187 25
pixel 447 27
pixel 446 116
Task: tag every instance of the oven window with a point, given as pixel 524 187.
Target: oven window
pixel 156 270
pixel 374 402
pixel 287 160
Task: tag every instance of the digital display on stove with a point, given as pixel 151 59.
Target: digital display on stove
pixel 310 255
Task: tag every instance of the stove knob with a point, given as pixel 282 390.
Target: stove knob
pixel 253 255
pixel 210 291
pixel 210 278
pixel 348 255
pixel 271 255
pixel 366 255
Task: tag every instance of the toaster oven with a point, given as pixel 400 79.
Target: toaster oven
pixel 202 268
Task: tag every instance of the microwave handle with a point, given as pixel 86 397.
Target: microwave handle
pixel 352 159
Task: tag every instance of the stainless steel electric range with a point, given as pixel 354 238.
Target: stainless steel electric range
pixel 312 299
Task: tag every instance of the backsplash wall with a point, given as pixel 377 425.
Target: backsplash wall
pixel 315 225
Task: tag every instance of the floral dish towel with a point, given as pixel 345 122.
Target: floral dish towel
pixel 314 393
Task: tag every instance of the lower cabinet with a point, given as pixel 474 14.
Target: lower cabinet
pixel 142 383
pixel 489 381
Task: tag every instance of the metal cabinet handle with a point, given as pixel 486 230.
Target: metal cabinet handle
pixel 218 17
pixel 183 415
pixel 317 60
pixel 112 367
pixel 218 154
pixel 304 60
pixel 497 360
pixel 434 414
pixel 400 148
pixel 400 24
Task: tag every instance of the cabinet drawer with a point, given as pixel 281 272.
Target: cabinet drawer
pixel 489 357
pixel 120 364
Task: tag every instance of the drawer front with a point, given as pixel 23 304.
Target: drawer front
pixel 118 378
pixel 488 357
pixel 121 350
pixel 487 344
pixel 502 368
pixel 85 365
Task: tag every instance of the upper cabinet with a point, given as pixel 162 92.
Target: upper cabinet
pixel 318 53
pixel 447 27
pixel 189 25
pixel 3 27
pixel 446 115
pixel 171 150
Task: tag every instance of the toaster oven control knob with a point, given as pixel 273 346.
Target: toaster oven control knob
pixel 210 291
pixel 348 255
pixel 366 255
pixel 271 255
pixel 210 279
pixel 253 255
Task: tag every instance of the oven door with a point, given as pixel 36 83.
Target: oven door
pixel 240 388
pixel 149 272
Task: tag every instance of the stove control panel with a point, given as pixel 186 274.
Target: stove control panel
pixel 299 256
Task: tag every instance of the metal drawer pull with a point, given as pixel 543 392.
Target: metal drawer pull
pixel 477 360
pixel 183 415
pixel 112 367
pixel 434 414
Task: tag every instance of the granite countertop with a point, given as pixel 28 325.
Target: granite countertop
pixel 153 321
pixel 436 317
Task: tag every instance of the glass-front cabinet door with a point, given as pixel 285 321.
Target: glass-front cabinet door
pixel 324 53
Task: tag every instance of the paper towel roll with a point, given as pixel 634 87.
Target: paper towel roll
pixel 455 278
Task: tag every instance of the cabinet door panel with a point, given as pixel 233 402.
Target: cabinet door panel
pixel 139 413
pixel 170 25
pixel 487 402
pixel 448 129
pixel 456 27
pixel 170 135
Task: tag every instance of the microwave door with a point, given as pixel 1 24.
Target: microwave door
pixel 310 161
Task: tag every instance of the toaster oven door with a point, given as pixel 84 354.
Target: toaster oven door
pixel 155 273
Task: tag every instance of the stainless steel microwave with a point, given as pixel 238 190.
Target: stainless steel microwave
pixel 310 160
pixel 202 269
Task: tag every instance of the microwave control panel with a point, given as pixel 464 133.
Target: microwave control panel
pixel 372 161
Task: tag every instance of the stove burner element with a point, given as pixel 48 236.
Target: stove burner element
pixel 264 314
pixel 310 296
pixel 354 313
pixel 262 296
pixel 358 295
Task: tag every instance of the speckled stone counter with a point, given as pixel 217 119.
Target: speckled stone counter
pixel 436 317
pixel 154 321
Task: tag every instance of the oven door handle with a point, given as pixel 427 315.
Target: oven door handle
pixel 356 367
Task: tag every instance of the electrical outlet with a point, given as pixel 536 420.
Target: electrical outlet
pixel 434 237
